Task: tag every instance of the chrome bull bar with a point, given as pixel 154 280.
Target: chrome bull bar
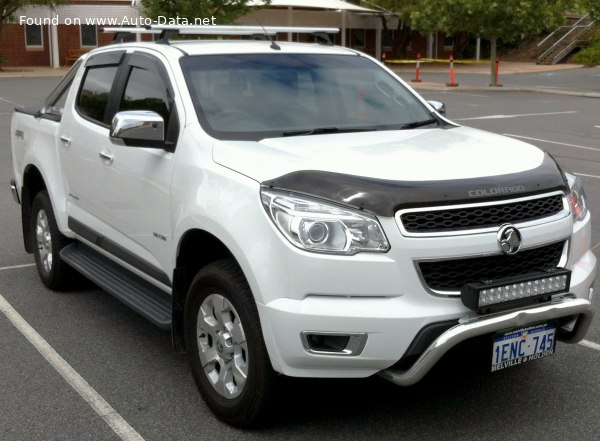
pixel 561 307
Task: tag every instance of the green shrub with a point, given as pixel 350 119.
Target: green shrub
pixel 591 54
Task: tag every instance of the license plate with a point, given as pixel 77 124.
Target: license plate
pixel 523 345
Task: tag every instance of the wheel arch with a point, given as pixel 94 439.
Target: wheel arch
pixel 33 183
pixel 196 249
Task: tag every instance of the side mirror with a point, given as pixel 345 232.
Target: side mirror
pixel 138 128
pixel 438 106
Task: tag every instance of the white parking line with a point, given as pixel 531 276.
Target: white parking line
pixel 552 142
pixel 516 115
pixel 82 387
pixel 587 176
pixel 590 344
pixel 25 265
pixel 8 101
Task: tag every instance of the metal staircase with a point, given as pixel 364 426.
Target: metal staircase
pixel 560 43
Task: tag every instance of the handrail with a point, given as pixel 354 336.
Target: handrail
pixel 564 26
pixel 573 28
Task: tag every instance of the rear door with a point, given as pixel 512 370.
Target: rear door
pixel 83 134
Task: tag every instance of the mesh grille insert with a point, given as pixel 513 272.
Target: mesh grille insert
pixel 482 216
pixel 451 275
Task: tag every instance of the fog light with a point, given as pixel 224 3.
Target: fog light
pixel 478 296
pixel 333 343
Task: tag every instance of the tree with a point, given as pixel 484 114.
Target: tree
pixel 224 11
pixel 9 7
pixel 593 7
pixel 491 19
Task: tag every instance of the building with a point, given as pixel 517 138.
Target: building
pixel 39 36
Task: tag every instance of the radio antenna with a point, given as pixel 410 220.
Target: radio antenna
pixel 274 45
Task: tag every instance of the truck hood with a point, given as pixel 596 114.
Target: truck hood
pixel 407 155
pixel 481 164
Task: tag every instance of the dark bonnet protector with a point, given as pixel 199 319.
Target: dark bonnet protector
pixel 385 197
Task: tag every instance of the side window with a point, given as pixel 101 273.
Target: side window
pixel 57 107
pixel 146 90
pixel 93 96
pixel 55 103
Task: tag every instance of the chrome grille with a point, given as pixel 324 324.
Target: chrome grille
pixel 451 275
pixel 480 216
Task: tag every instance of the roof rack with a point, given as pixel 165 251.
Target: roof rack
pixel 256 32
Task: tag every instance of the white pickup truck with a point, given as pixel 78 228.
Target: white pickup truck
pixel 296 209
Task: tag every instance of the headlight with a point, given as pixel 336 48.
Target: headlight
pixel 322 228
pixel 577 199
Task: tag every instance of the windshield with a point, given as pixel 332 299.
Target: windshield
pixel 256 96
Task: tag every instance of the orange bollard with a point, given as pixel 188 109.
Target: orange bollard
pixel 418 71
pixel 452 83
pixel 498 84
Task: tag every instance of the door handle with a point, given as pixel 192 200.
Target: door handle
pixel 106 156
pixel 65 140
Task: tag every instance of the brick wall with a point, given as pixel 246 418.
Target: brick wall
pixel 14 51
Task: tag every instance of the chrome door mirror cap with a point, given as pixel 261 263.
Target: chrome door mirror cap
pixel 137 127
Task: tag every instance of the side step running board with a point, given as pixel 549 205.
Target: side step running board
pixel 141 296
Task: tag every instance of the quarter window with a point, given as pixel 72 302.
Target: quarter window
pixel 93 96
pixel 34 36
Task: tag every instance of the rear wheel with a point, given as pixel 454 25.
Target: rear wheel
pixel 48 241
pixel 228 356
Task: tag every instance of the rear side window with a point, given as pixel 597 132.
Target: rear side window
pixel 94 93
pixel 145 90
pixel 55 102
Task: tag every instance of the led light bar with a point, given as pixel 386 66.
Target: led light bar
pixel 501 293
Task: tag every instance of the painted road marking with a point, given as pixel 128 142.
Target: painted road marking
pixel 598 127
pixel 553 142
pixel 590 344
pixel 8 101
pixel 595 246
pixel 587 176
pixel 26 265
pixel 516 115
pixel 76 381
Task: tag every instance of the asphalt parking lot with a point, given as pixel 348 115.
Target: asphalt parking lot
pixel 130 364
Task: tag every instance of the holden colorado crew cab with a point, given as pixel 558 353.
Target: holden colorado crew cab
pixel 296 209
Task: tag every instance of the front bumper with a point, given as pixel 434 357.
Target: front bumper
pixel 392 326
pixel 564 306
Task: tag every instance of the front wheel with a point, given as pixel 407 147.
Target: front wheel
pixel 229 360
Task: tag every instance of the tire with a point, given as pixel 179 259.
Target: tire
pixel 228 357
pixel 48 241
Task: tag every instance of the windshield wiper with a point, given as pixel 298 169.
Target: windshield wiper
pixel 414 125
pixel 326 130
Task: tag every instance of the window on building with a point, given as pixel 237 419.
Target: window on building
pixel 89 36
pixel 93 96
pixel 448 42
pixel 357 38
pixel 34 37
